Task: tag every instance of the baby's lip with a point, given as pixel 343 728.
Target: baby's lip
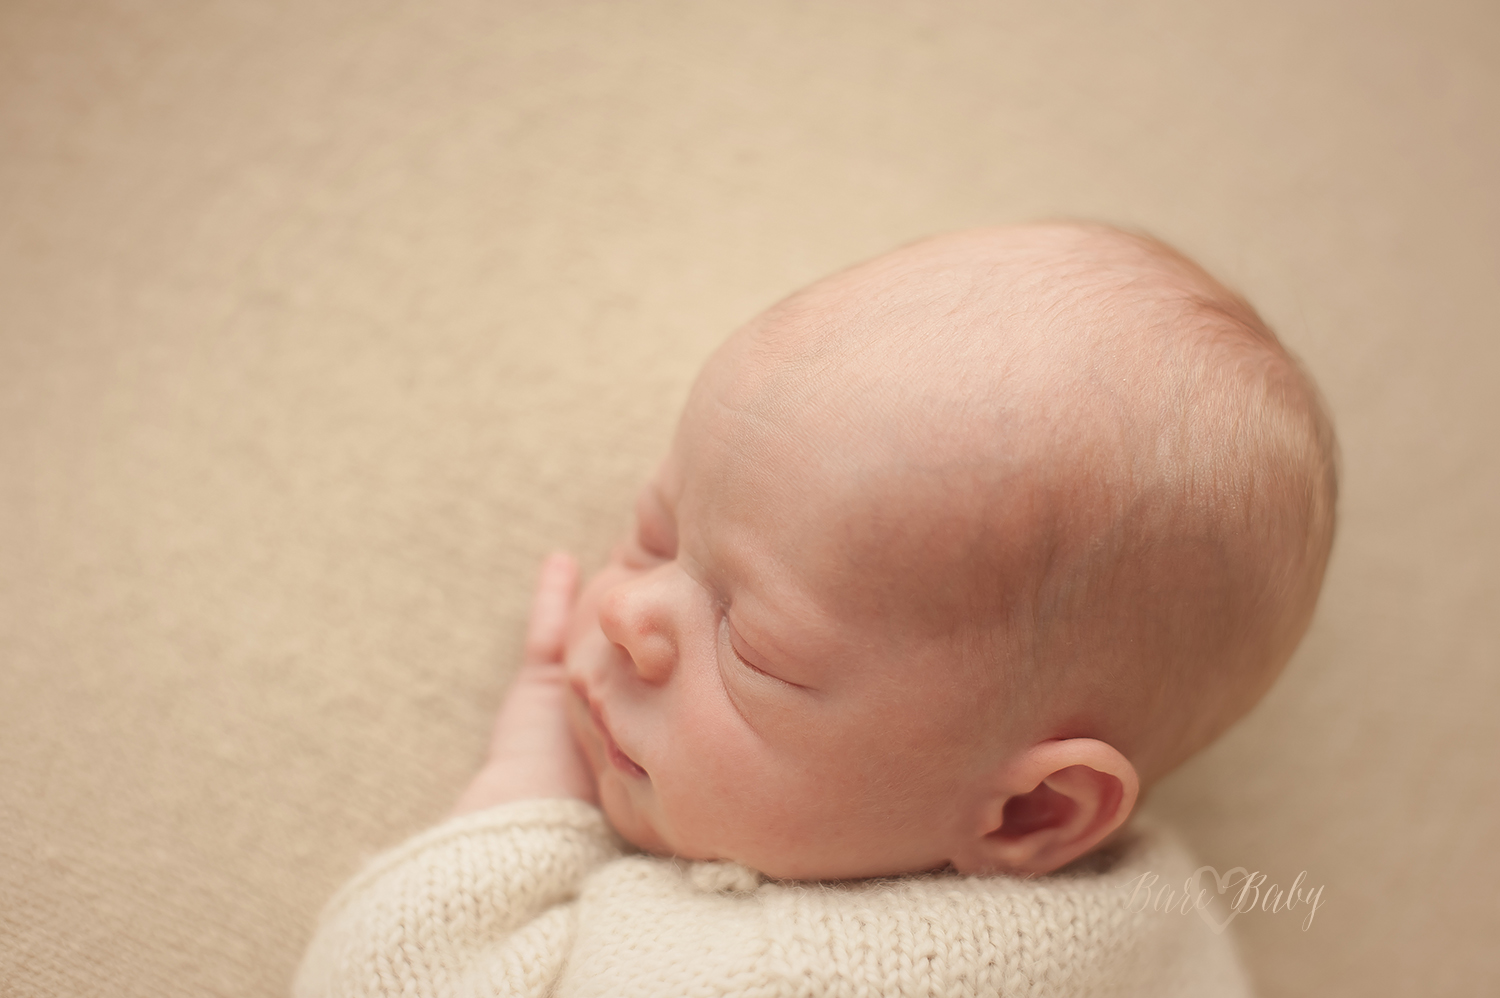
pixel 617 758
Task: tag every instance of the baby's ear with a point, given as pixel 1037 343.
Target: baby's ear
pixel 1056 802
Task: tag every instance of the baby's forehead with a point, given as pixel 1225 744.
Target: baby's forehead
pixel 971 330
pixel 875 521
pixel 955 408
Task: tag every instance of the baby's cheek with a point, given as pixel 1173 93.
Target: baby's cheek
pixel 721 792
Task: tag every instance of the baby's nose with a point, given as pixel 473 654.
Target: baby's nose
pixel 637 616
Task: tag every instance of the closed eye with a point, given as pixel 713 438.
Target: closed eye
pixel 751 665
pixel 650 544
pixel 655 528
pixel 747 663
pixel 653 550
pixel 636 555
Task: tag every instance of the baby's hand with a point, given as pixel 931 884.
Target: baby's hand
pixel 532 751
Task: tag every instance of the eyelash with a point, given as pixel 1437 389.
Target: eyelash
pixel 747 663
pixel 724 625
pixel 742 660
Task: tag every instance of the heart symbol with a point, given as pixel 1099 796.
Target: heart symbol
pixel 1222 883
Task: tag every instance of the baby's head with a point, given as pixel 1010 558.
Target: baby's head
pixel 954 553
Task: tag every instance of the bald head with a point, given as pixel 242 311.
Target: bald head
pixel 1073 451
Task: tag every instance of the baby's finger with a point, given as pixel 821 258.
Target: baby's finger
pixel 547 629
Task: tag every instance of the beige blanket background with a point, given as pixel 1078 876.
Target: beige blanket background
pixel 321 322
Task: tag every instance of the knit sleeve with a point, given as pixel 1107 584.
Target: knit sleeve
pixel 481 903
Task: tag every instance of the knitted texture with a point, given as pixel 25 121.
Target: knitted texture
pixel 538 898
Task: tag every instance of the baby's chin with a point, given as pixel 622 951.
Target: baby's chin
pixel 627 819
pixel 637 828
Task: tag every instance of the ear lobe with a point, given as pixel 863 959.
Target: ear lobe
pixel 1065 797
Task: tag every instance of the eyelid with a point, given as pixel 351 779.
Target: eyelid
pixel 747 663
pixel 635 555
pixel 652 509
pixel 751 665
pixel 650 550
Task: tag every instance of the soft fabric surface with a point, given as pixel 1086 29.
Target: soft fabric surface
pixel 534 898
pixel 320 323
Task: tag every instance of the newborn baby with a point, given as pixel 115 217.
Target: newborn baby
pixel 954 554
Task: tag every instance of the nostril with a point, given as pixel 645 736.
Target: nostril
pixel 638 623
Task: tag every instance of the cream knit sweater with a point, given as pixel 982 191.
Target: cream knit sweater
pixel 540 898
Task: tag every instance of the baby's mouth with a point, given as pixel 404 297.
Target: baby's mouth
pixel 617 758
